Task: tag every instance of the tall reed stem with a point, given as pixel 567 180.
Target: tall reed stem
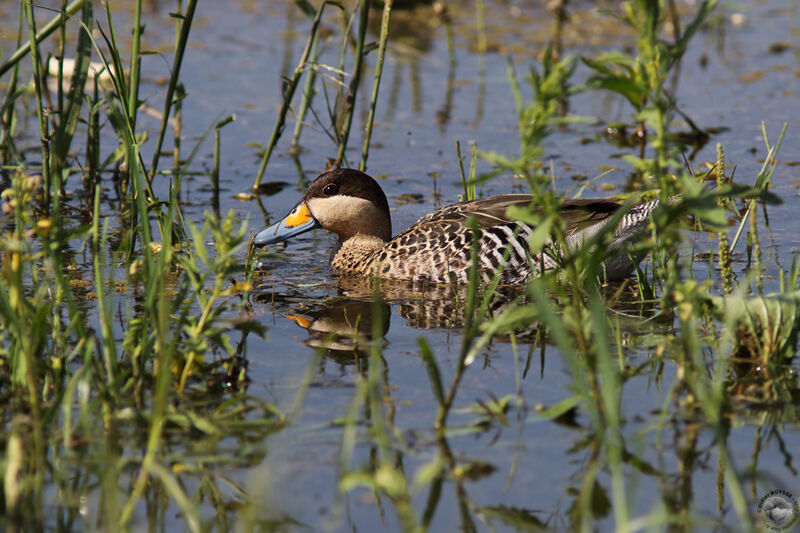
pixel 305 102
pixel 43 33
pixel 288 93
pixel 136 62
pixel 36 59
pixel 354 82
pixel 387 11
pixel 173 82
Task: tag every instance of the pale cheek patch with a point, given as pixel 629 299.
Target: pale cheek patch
pixel 345 215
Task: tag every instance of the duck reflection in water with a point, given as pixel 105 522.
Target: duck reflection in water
pixel 345 330
pixel 344 327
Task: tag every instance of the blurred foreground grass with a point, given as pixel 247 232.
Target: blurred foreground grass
pixel 123 393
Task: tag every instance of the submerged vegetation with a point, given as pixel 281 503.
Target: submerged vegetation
pixel 124 323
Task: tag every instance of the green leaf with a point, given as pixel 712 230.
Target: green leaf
pixel 650 116
pixel 517 518
pixel 391 481
pixel 702 14
pixel 617 59
pixel 252 326
pixel 306 7
pixel 636 162
pixel 68 120
pixel 474 470
pixel 427 472
pixel 203 424
pixel 433 370
pixel 621 85
pixel 369 47
pixel 559 409
pixel 512 319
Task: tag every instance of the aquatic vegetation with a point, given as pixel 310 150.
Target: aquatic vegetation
pixel 148 374
pixel 99 373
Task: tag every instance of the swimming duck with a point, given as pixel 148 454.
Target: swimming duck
pixel 437 248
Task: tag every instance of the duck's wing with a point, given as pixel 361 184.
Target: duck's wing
pixel 488 211
pixel 578 213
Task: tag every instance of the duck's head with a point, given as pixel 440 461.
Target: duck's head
pixel 344 201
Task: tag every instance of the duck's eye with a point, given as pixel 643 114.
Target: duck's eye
pixel 331 189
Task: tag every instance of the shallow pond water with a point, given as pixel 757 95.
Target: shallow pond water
pixel 528 471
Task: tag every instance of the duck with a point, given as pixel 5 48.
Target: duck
pixel 437 248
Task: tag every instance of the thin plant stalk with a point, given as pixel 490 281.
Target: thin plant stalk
pixel 611 395
pixel 180 49
pixel 480 20
pixel 723 247
pixel 443 115
pixel 762 181
pixel 67 118
pixel 36 59
pixel 6 135
pixel 216 162
pixel 177 128
pixel 120 82
pixel 354 82
pixel 288 93
pixel 156 301
pixel 136 63
pixel 178 9
pixel 104 307
pixel 468 183
pixel 387 11
pixel 467 336
pixel 41 35
pixel 480 13
pixel 305 102
pixel 334 112
pixel 62 39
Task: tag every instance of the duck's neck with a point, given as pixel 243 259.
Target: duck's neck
pixel 357 255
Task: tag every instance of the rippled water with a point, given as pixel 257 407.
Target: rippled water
pixel 742 71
